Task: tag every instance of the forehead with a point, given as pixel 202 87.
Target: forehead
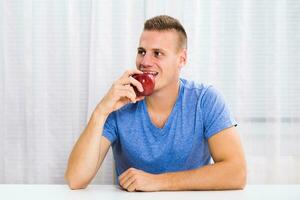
pixel 159 39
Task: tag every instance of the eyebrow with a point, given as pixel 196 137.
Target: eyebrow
pixel 155 49
pixel 140 49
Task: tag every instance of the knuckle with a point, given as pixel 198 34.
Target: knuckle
pixel 134 176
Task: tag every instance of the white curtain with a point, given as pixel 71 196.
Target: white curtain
pixel 59 57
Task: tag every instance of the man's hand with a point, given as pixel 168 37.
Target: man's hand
pixel 137 180
pixel 121 93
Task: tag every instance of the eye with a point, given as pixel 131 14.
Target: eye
pixel 141 52
pixel 157 53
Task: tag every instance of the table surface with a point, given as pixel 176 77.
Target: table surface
pixel 107 192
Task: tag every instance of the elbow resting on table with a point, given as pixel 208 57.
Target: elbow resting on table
pixel 241 178
pixel 74 183
pixel 234 177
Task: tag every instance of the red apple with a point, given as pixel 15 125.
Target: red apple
pixel 147 81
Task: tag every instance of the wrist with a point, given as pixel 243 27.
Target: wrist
pixel 99 116
pixel 164 181
pixel 100 111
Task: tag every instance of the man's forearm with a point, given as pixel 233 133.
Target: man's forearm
pixel 219 176
pixel 84 159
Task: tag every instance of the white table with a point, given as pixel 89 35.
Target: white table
pixel 107 192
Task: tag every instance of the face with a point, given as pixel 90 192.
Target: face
pixel 158 53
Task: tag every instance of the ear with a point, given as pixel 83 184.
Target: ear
pixel 183 57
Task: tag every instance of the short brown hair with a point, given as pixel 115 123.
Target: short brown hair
pixel 165 22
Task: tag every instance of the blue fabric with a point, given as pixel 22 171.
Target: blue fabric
pixel 199 113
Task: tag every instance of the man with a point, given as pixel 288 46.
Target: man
pixel 163 141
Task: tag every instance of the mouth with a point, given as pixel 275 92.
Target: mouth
pixel 154 74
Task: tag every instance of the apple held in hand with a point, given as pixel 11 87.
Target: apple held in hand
pixel 147 81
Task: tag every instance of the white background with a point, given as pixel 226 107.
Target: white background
pixel 59 57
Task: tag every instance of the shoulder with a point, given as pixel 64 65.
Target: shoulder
pixel 190 87
pixel 202 94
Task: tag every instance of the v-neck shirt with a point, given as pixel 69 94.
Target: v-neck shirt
pixel 170 118
pixel 200 112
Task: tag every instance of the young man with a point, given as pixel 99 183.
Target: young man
pixel 163 141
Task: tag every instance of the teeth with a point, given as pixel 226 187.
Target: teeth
pixel 153 73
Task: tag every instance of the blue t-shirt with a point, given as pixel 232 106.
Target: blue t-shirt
pixel 199 113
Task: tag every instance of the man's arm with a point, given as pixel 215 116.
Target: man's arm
pixel 87 154
pixel 228 171
pixel 91 147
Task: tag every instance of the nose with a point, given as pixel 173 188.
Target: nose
pixel 146 61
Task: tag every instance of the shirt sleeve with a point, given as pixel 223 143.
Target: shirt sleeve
pixel 216 114
pixel 110 128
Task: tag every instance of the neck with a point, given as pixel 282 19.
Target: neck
pixel 164 100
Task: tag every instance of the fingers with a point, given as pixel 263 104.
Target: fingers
pixel 124 174
pixel 131 72
pixel 127 91
pixel 130 80
pixel 121 92
pixel 132 186
pixel 129 183
pixel 127 180
pixel 127 79
pixel 131 92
